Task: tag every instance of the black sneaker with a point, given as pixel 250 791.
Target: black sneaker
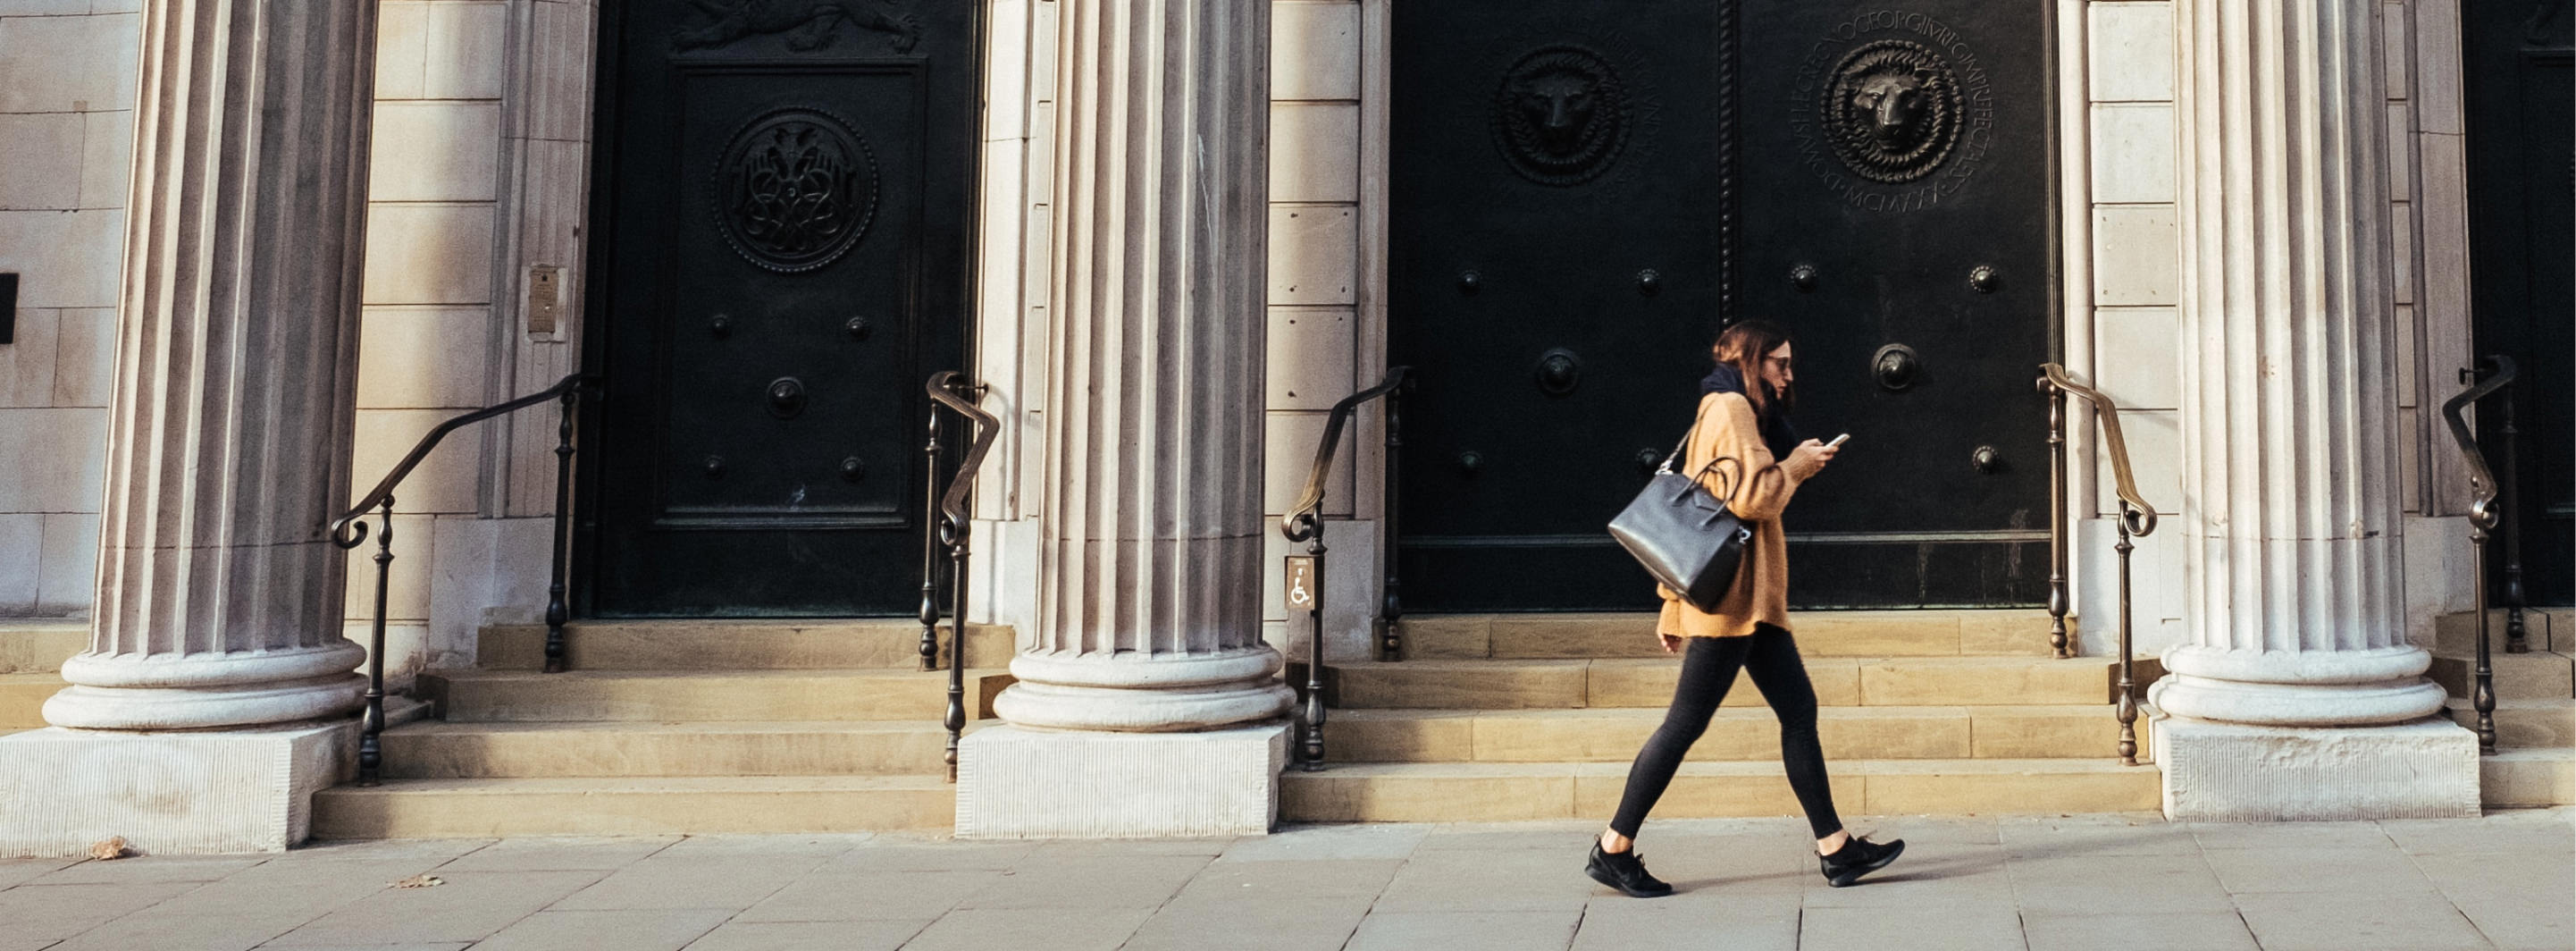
pixel 1856 858
pixel 1625 872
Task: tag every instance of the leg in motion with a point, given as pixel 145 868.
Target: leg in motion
pixel 1709 666
pixel 1775 667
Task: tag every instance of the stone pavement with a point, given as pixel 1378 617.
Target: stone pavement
pixel 2135 883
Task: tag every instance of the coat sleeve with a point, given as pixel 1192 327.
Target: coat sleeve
pixel 1727 428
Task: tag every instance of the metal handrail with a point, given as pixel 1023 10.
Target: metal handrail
pixel 2484 514
pixel 2137 520
pixel 350 530
pixel 952 521
pixel 1305 523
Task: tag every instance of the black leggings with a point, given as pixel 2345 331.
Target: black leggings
pixel 1708 669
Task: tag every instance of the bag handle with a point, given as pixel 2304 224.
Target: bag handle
pixel 1732 486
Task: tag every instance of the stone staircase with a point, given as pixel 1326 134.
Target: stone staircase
pixel 1506 717
pixel 671 727
pixel 31 654
pixel 2535 715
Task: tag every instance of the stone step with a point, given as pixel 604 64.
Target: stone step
pixel 461 808
pixel 22 699
pixel 1839 682
pixel 1493 792
pixel 37 647
pixel 436 750
pixel 1926 633
pixel 486 696
pixel 1735 734
pixel 2513 779
pixel 2544 629
pixel 2539 675
pixel 2524 723
pixel 884 644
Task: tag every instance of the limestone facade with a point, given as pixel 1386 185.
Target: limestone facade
pixel 480 169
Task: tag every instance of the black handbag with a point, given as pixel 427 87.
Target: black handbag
pixel 1685 536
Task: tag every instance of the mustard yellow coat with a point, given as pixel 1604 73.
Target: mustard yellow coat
pixel 1727 427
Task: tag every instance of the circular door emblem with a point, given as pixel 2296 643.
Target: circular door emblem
pixel 1561 115
pixel 1891 110
pixel 795 189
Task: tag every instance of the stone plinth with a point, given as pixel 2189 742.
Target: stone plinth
pixel 2227 772
pixel 1018 782
pixel 245 790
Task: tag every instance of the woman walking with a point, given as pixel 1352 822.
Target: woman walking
pixel 1743 413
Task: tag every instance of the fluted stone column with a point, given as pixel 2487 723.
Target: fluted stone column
pixel 2298 695
pixel 1146 703
pixel 219 597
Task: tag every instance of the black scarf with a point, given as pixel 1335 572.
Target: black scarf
pixel 1777 432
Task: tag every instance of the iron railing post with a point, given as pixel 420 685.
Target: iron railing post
pixel 2484 513
pixel 954 717
pixel 558 580
pixel 2127 710
pixel 1314 732
pixel 1305 523
pixel 953 517
pixel 930 546
pixel 371 729
pixel 2058 602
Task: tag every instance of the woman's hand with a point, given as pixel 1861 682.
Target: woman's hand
pixel 1809 458
pixel 1672 643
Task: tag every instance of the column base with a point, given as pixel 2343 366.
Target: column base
pixel 2230 772
pixel 168 793
pixel 1022 783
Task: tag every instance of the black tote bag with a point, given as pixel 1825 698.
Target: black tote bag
pixel 1685 536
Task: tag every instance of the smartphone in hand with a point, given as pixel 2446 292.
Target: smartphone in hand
pixel 1838 441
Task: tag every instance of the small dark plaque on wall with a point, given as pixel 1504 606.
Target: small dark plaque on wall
pixel 8 308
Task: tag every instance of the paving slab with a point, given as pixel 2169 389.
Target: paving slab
pixel 1086 885
pixel 990 929
pixel 53 912
pixel 732 881
pixel 466 906
pixel 887 935
pixel 839 893
pixel 1316 842
pixel 1290 924
pixel 2218 930
pixel 666 929
pixel 1551 930
pixel 560 853
pixel 1971 928
pixel 2295 921
pixel 2348 871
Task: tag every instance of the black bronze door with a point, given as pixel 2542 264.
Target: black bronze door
pixel 782 254
pixel 1566 240
pixel 2519 58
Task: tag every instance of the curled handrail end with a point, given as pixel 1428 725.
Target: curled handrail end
pixel 2139 519
pixel 348 531
pixel 1299 525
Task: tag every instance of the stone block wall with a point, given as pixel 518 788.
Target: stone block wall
pixel 423 352
pixel 67 74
